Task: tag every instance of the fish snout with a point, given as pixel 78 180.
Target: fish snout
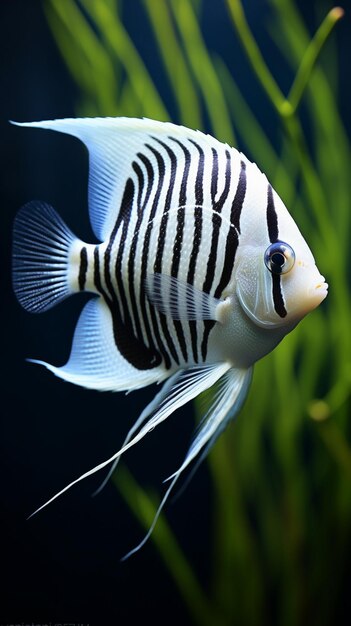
pixel 319 291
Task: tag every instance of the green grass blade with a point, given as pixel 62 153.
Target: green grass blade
pixel 176 67
pixel 85 51
pixel 311 55
pixel 144 508
pixel 116 37
pixel 203 70
pixel 254 55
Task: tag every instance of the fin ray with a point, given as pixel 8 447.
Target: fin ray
pixel 227 404
pixel 95 361
pixel 152 406
pixel 180 300
pixel 184 386
pixel 224 409
pixel 113 144
pixel 41 249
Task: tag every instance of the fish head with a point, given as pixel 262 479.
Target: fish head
pixel 278 282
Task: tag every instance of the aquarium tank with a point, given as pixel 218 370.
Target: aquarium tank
pixel 261 535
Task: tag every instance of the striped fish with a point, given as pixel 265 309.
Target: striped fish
pixel 200 272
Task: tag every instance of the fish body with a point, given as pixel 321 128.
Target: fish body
pixel 200 272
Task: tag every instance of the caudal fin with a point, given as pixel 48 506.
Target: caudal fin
pixel 42 244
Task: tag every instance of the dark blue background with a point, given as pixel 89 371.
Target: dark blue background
pixel 63 565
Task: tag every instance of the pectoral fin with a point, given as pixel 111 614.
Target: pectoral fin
pixel 180 300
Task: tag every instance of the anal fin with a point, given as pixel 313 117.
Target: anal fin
pixel 95 361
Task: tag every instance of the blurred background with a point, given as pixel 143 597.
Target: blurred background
pixel 262 533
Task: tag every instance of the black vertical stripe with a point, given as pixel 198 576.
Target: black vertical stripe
pixel 217 206
pixel 141 182
pixel 231 247
pixel 273 233
pixel 278 300
pixel 145 252
pixel 164 220
pixel 97 277
pixel 177 248
pixel 123 218
pixel 232 237
pixel 216 222
pixel 83 268
pixel 212 259
pixel 272 218
pixel 199 198
pixel 156 316
pixel 199 191
pixel 131 259
pixel 123 221
pixel 150 180
pixel 162 240
pixel 131 262
pixel 214 176
pixel 180 213
pixel 239 198
pixel 132 349
pixel 216 219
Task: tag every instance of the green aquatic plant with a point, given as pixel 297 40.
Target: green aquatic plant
pixel 288 457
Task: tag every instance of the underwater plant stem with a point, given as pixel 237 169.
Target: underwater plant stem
pixel 249 129
pixel 236 566
pixel 201 66
pixel 89 63
pixel 122 45
pixel 144 509
pixel 337 445
pixel 178 73
pixel 313 186
pixel 310 57
pixel 254 55
pixel 286 107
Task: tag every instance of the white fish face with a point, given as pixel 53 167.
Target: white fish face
pixel 280 284
pixel 277 281
pixel 304 288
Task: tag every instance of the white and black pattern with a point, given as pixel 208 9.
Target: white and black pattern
pixel 177 192
pixel 195 277
pixel 177 211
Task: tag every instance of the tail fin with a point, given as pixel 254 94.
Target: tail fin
pixel 41 249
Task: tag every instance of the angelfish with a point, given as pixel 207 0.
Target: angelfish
pixel 200 272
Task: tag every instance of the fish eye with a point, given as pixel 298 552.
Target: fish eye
pixel 279 258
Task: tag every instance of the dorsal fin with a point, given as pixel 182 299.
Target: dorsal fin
pixel 113 143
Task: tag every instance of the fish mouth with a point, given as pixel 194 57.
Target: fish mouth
pixel 317 294
pixel 320 290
